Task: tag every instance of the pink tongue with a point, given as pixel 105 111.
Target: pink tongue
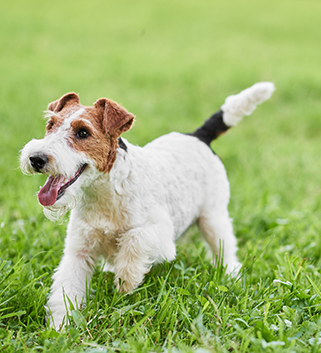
pixel 47 195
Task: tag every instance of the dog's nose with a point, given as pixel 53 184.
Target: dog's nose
pixel 38 161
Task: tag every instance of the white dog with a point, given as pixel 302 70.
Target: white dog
pixel 129 204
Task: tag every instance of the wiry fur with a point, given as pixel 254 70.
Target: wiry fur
pixel 130 206
pixel 244 103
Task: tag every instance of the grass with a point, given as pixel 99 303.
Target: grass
pixel 172 63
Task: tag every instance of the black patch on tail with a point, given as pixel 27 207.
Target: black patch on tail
pixel 212 128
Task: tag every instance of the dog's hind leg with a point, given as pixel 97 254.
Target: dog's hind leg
pixel 216 228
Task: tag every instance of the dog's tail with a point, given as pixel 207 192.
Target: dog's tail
pixel 233 110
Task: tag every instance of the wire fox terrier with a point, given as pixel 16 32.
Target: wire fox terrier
pixel 129 204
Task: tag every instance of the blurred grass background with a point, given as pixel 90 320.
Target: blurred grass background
pixel 171 63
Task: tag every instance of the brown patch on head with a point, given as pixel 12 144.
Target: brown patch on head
pixel 53 123
pixel 115 118
pixel 66 99
pixel 87 136
pixel 97 130
pixel 61 109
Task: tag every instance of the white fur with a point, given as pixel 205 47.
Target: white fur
pixel 132 216
pixel 245 102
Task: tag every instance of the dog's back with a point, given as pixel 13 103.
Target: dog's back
pixel 184 173
pixel 191 177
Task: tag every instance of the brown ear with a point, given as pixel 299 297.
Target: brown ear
pixel 57 105
pixel 115 118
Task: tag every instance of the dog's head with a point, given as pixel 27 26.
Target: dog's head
pixel 79 144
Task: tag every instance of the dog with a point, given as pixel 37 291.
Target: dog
pixel 129 204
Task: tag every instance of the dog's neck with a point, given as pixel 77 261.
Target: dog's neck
pixel 106 198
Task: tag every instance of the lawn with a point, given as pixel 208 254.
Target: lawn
pixel 172 63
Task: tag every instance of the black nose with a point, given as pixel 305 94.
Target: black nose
pixel 38 161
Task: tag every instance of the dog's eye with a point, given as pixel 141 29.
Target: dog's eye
pixel 50 124
pixel 82 134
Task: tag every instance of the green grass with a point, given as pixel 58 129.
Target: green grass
pixel 172 63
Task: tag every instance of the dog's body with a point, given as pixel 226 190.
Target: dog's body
pixel 129 204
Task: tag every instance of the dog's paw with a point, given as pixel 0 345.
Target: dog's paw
pixel 233 268
pixel 56 319
pixel 108 268
pixel 124 287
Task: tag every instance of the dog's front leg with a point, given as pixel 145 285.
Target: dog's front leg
pixel 138 249
pixel 71 277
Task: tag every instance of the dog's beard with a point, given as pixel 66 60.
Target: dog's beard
pixel 58 210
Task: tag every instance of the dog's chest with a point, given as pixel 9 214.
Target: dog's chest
pixel 105 211
pixel 107 220
pixel 101 229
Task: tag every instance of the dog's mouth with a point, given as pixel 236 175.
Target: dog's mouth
pixel 56 186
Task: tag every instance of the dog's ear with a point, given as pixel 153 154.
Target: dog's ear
pixel 115 118
pixel 58 105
